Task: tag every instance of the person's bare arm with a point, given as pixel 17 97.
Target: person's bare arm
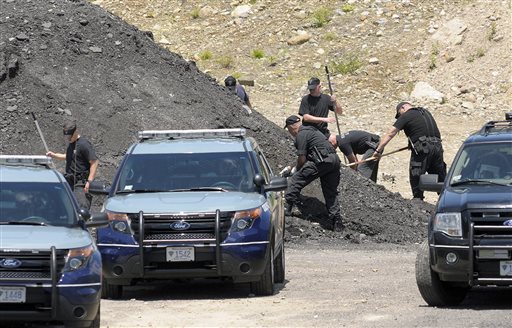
pixel 337 107
pixel 92 174
pixel 58 156
pixel 384 141
pixel 316 119
pixel 301 160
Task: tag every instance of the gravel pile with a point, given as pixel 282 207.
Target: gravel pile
pixel 62 59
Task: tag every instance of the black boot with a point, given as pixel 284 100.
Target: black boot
pixel 337 225
pixel 291 210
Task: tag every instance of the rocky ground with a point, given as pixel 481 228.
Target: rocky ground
pixel 62 59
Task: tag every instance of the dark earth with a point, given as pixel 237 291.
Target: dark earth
pixel 71 59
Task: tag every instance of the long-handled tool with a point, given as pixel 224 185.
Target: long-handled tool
pixel 330 90
pixel 383 155
pixel 41 134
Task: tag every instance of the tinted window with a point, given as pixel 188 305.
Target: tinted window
pixel 491 161
pixel 36 202
pixel 162 172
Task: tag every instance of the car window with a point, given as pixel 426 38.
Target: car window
pixel 48 203
pixel 491 161
pixel 166 172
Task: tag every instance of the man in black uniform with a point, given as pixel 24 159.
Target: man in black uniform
pixel 427 151
pixel 316 159
pixel 315 107
pixel 358 142
pixel 81 164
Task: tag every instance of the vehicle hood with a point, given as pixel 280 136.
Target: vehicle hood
pixel 42 237
pixel 175 202
pixel 475 197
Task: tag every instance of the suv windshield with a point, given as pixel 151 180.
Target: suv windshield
pixel 35 202
pixel 489 162
pixel 229 171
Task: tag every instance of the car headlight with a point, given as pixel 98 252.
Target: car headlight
pixel 119 221
pixel 78 257
pixel 449 223
pixel 243 220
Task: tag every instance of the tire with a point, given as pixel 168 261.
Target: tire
pixel 434 291
pixel 111 291
pixel 279 266
pixel 265 286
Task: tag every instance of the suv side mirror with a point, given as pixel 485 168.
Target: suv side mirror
pixel 259 180
pixel 97 220
pixel 99 187
pixel 276 184
pixel 429 182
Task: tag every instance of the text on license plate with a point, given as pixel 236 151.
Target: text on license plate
pixel 505 268
pixel 180 254
pixel 12 294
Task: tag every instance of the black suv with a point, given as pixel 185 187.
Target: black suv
pixel 470 235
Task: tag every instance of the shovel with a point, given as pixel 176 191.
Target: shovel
pixel 374 158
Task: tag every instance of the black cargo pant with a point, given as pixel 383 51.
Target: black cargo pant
pixel 329 174
pixel 369 169
pixel 84 199
pixel 428 160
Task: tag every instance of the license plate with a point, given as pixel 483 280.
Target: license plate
pixel 180 254
pixel 505 268
pixel 12 294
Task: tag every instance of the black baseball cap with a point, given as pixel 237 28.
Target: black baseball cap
pixel 291 120
pixel 400 104
pixel 313 82
pixel 69 129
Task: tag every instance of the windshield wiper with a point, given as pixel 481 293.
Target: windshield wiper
pixel 23 223
pixel 134 191
pixel 198 189
pixel 476 181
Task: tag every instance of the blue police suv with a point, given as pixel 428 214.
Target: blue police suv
pixel 50 268
pixel 470 235
pixel 193 204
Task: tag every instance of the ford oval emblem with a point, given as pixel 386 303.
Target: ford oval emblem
pixel 10 263
pixel 508 223
pixel 180 225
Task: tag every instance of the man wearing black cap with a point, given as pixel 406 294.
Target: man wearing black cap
pixel 316 159
pixel 315 107
pixel 81 163
pixel 234 87
pixel 425 141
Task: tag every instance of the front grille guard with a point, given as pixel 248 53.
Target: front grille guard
pixel 218 254
pixel 491 232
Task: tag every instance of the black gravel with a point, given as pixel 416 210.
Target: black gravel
pixel 62 59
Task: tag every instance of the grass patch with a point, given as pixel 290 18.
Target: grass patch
pixel 330 36
pixel 432 63
pixel 347 65
pixel 321 17
pixel 205 55
pixel 480 52
pixel 257 53
pixel 195 13
pixel 348 8
pixel 225 61
pixel 492 31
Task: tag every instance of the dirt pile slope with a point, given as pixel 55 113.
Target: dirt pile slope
pixel 61 59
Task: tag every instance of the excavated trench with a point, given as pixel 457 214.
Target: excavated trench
pixel 62 59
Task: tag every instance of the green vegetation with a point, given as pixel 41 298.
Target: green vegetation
pixel 225 61
pixel 321 16
pixel 492 31
pixel 480 52
pixel 205 55
pixel 434 52
pixel 347 8
pixel 195 13
pixel 257 53
pixel 348 65
pixel 330 36
pixel 272 60
pixel 252 2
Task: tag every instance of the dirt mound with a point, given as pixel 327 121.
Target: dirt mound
pixel 61 59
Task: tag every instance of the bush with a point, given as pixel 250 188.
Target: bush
pixel 195 13
pixel 347 65
pixel 347 8
pixel 225 61
pixel 330 36
pixel 257 53
pixel 321 16
pixel 205 55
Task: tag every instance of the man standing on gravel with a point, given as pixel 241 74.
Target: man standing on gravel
pixel 425 139
pixel 315 107
pixel 81 163
pixel 358 142
pixel 317 158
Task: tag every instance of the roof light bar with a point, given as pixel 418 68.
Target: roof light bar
pixel 208 133
pixel 25 159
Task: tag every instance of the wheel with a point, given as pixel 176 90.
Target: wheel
pixel 279 267
pixel 434 291
pixel 111 291
pixel 265 286
pixel 224 185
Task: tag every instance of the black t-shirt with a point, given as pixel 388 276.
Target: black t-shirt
pixel 84 154
pixel 355 141
pixel 316 106
pixel 309 137
pixel 417 122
